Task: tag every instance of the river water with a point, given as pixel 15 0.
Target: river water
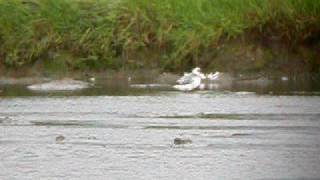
pixel 128 134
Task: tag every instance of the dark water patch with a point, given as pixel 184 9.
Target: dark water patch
pixel 240 134
pixel 236 135
pixel 250 116
pixel 63 123
pixel 284 128
pixel 56 113
pixel 296 93
pixel 269 146
pixel 89 138
pixel 203 115
pixel 72 123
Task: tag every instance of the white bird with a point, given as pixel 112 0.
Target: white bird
pixel 190 81
pixel 187 78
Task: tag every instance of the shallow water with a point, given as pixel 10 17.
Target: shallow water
pixel 122 133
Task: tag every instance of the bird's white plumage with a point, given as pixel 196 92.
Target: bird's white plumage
pixel 186 78
pixel 190 81
pixel 196 81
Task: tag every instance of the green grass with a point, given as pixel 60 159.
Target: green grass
pixel 98 34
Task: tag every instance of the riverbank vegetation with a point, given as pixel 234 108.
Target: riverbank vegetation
pixel 171 35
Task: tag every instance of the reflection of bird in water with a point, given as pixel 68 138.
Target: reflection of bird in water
pixel 190 81
pixel 213 77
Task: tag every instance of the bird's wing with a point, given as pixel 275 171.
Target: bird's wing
pixel 187 78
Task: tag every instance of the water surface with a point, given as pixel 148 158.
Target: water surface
pixel 123 133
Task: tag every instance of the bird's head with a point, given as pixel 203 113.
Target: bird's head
pixel 196 71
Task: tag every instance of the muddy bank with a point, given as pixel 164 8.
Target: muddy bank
pixel 243 59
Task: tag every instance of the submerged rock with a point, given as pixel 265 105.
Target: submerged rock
pixel 60 139
pixel 181 141
pixel 60 85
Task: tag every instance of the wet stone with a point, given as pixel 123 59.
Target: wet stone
pixel 60 139
pixel 92 138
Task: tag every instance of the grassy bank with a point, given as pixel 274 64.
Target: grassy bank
pixel 234 35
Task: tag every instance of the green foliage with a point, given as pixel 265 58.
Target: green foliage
pixel 109 34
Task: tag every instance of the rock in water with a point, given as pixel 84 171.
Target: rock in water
pixel 60 139
pixel 60 85
pixel 180 141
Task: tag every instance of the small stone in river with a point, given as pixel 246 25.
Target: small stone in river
pixel 180 141
pixel 92 138
pixel 60 138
